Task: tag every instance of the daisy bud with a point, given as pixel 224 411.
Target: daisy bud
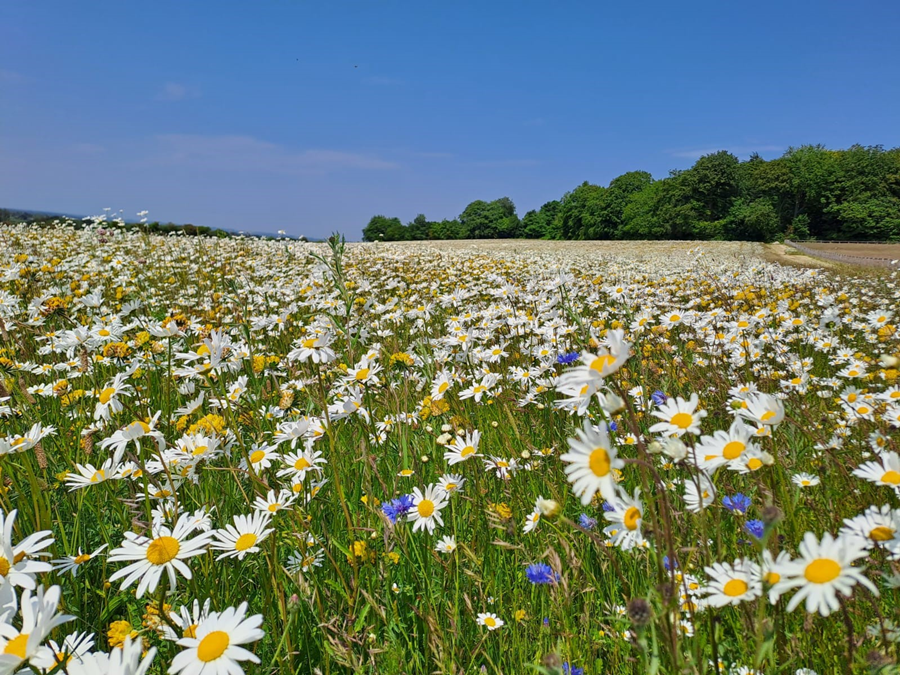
pixel 540 406
pixel 547 507
pixel 767 458
pixel 424 458
pixel 888 361
pixel 655 447
pixel 445 428
pixel 494 424
pixel 429 429
pixel 675 449
pixel 443 439
pixel 525 454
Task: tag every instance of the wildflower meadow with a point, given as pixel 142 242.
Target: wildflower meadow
pixel 227 455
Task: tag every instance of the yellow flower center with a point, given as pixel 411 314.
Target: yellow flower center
pixel 309 343
pixel 754 464
pixel 822 570
pixel 735 587
pixel 213 646
pixel 162 550
pixel 632 516
pixel 449 487
pixel 81 559
pixel 892 477
pixel 599 462
pixel 733 450
pixel 190 631
pixel 361 374
pixel 766 416
pixel 772 578
pixel 301 464
pixel 442 387
pixel 425 508
pixel 98 476
pixel 881 533
pixel 600 363
pixel 17 646
pixel 199 450
pixel 466 451
pixel 490 621
pixel 107 394
pixel 103 332
pixel 257 456
pixel 245 541
pixel 682 420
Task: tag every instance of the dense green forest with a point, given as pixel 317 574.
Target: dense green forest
pixel 810 192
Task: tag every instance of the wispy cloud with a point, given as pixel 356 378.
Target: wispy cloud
pixel 382 81
pixel 175 91
pixel 246 153
pixel 739 150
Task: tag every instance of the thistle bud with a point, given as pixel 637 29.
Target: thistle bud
pixel 639 612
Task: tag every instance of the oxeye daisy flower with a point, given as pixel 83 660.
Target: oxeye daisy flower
pixel 73 647
pixel 699 492
pixel 463 448
pixel 597 366
pixel 85 475
pixel 260 457
pixel 731 584
pixel 165 551
pixel 274 502
pixel 301 463
pixel 304 562
pixel 451 483
pixel 73 563
pixel 763 409
pixel 489 620
pixel 885 472
pixel 186 620
pixel 242 536
pixel 16 566
pixel 875 527
pixel 446 544
pixel 723 447
pixel 216 649
pixel 803 480
pixel 678 417
pixel 38 619
pixel 823 569
pixel 626 516
pixel 426 510
pixel 592 462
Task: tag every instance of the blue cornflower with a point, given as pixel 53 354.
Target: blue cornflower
pixel 566 359
pixel 738 503
pixel 397 507
pixel 607 507
pixel 587 522
pixel 572 670
pixel 669 564
pixel 658 397
pixel 613 426
pixel 541 573
pixel 754 528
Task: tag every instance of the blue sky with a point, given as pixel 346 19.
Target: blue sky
pixel 313 116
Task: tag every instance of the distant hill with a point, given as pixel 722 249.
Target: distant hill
pixel 10 215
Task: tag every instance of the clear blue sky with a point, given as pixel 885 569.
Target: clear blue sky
pixel 312 115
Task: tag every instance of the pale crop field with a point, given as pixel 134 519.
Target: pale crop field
pixel 226 456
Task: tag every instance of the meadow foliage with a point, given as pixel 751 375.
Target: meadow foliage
pixel 236 455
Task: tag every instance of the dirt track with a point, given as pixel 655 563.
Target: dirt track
pixel 887 251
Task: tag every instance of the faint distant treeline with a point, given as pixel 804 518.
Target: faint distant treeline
pixel 809 192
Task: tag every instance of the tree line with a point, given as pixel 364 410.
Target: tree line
pixel 810 192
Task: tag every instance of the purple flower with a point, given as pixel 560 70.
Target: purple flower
pixel 658 397
pixel 754 528
pixel 587 522
pixel 566 359
pixel 613 426
pixel 572 670
pixel 739 503
pixel 669 564
pixel 541 573
pixel 607 507
pixel 397 507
